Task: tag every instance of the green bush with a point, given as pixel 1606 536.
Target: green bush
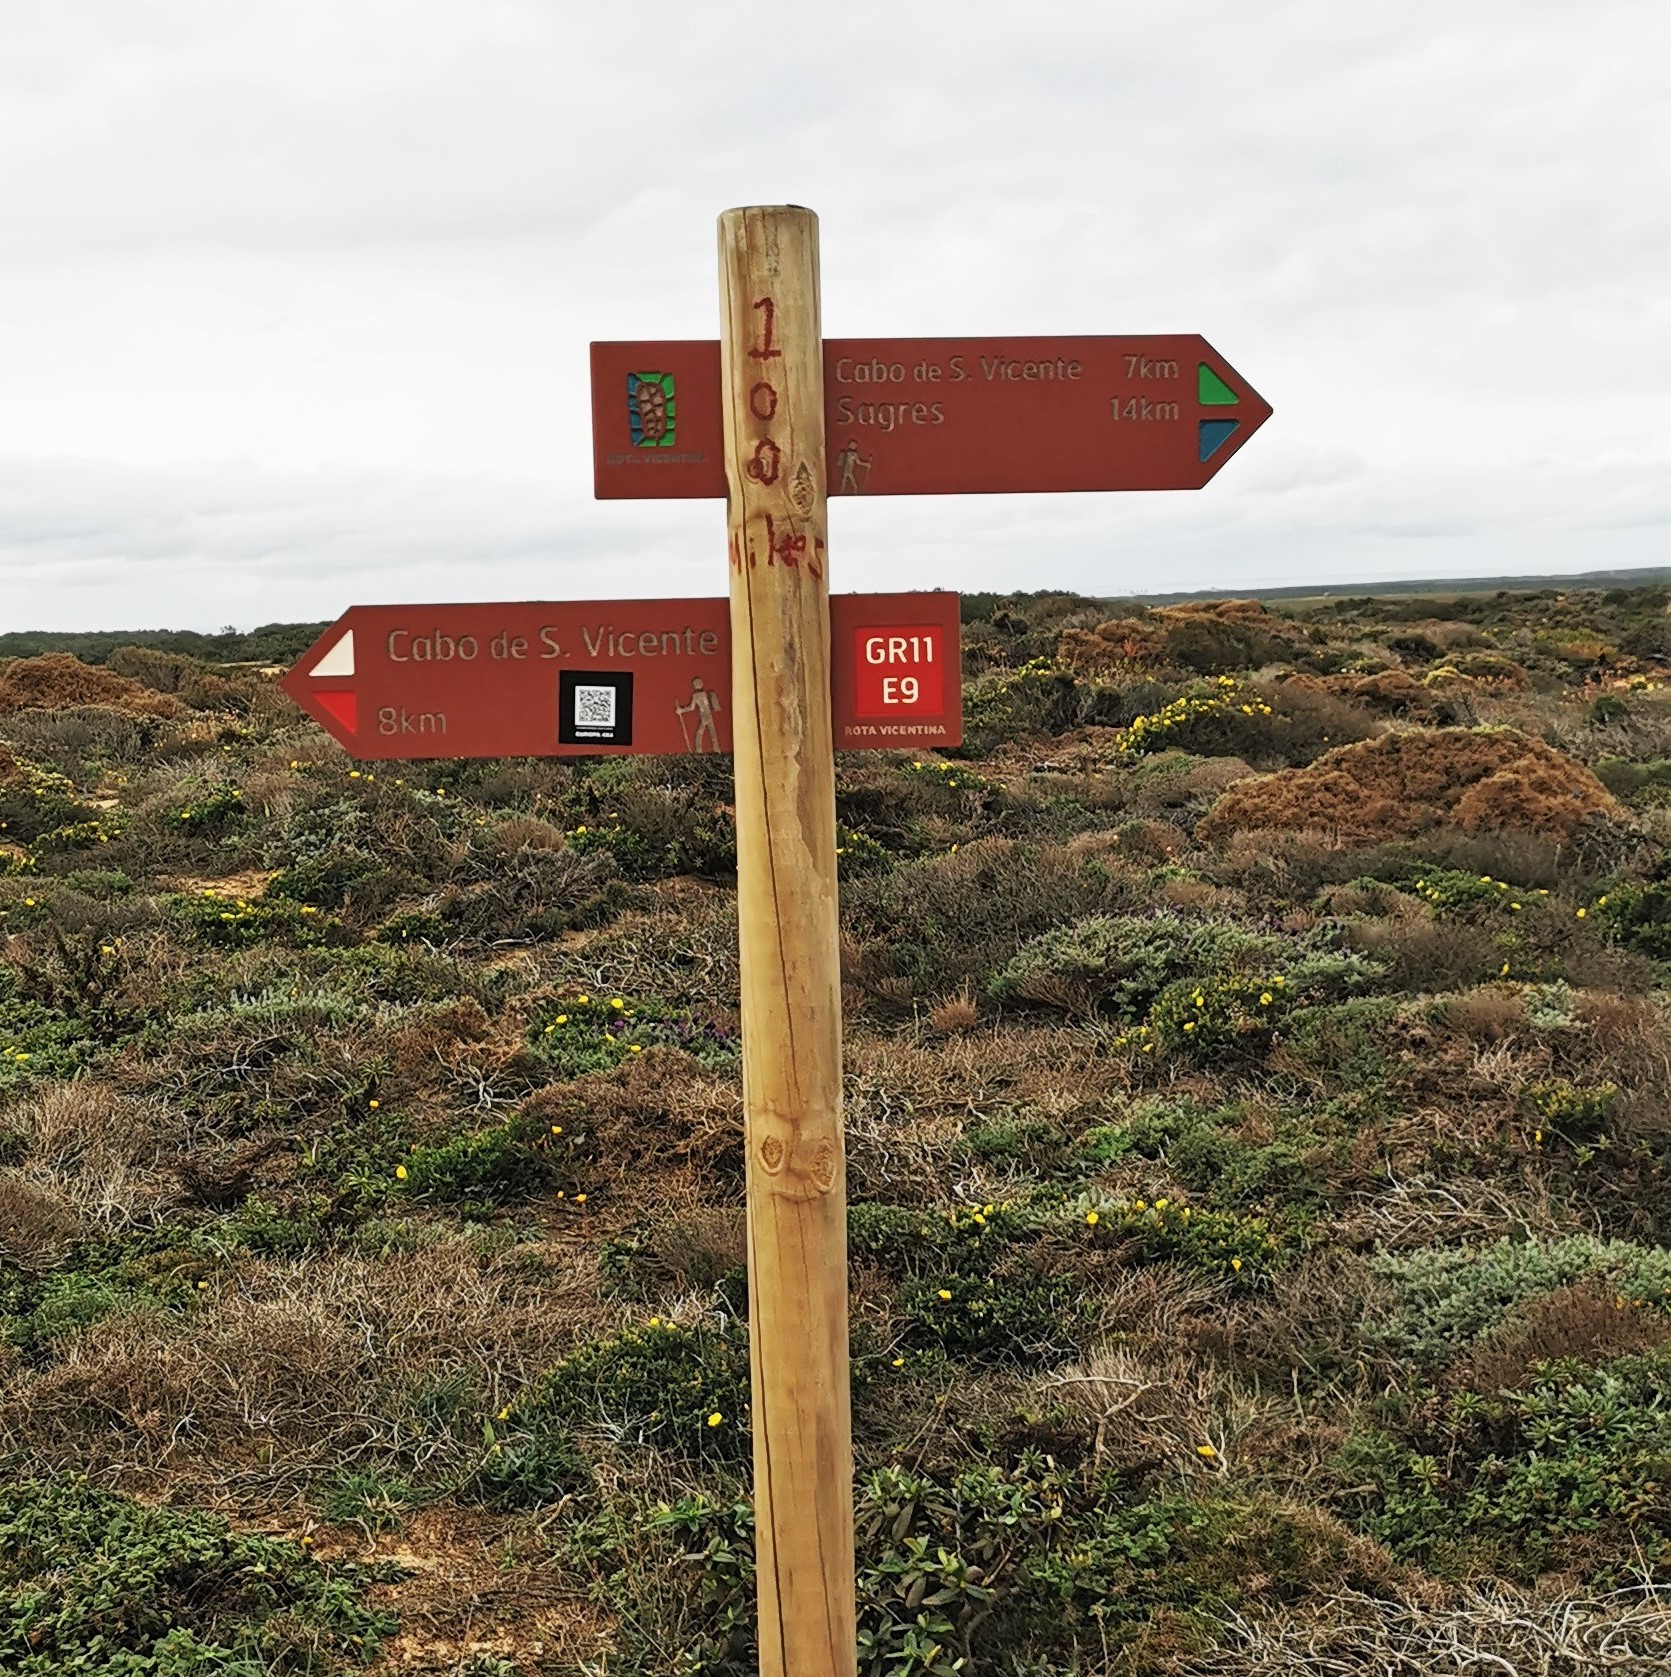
pixel 588 1033
pixel 1446 1298
pixel 1017 1312
pixel 1639 917
pixel 489 1168
pixel 1451 891
pixel 376 1502
pixel 681 1390
pixel 1577 1115
pixel 1198 1147
pixel 1225 1246
pixel 1211 1017
pixel 217 809
pixel 230 922
pixel 1524 1482
pixel 1015 1567
pixel 657 832
pixel 1119 964
pixel 36 800
pixel 38 1040
pixel 98 1585
pixel 1122 965
pixel 1635 782
pixel 1037 697
pixel 927 926
pixel 1208 722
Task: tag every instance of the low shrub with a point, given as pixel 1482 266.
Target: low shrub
pixel 1034 698
pixel 1446 1298
pixel 488 1168
pixel 926 927
pixel 1224 1246
pixel 587 1033
pixel 1526 1481
pixel 35 800
pixel 96 1583
pixel 1484 780
pixel 56 680
pixel 1579 1115
pixel 683 1390
pixel 1200 1147
pixel 1019 1565
pixel 230 922
pixel 1638 916
pixel 1118 964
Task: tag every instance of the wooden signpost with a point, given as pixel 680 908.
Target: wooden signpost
pixel 777 420
pixel 773 408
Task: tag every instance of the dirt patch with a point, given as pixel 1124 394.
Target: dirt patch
pixel 1481 781
pixel 473 1592
pixel 242 887
pixel 56 681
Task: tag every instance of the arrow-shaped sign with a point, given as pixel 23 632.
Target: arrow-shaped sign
pixel 538 679
pixel 940 416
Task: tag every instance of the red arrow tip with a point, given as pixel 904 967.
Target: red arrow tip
pixel 345 707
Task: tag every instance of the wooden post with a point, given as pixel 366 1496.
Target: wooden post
pixel 772 378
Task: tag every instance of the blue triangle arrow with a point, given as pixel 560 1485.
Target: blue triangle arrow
pixel 1215 433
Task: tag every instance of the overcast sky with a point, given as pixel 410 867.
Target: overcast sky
pixel 295 295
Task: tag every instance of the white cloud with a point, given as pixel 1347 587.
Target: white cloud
pixel 359 252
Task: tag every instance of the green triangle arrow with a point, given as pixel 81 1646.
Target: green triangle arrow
pixel 1213 391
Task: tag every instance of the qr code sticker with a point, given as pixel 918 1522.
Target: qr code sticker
pixel 594 707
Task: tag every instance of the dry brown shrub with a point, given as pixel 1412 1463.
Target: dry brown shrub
pixel 955 1015
pixel 299 1365
pixel 1586 1321
pixel 528 832
pixel 1403 784
pixel 98 1150
pixel 188 679
pixel 1424 956
pixel 1423 1630
pixel 37 1223
pixel 1491 1013
pixel 1393 692
pixel 661 1117
pixel 1308 1319
pixel 1103 650
pixel 1203 635
pixel 55 681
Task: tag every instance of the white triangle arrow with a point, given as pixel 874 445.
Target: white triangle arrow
pixel 339 660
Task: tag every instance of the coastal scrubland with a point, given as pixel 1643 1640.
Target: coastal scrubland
pixel 1259 1154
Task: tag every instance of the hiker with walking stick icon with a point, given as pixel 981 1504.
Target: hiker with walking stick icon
pixel 702 705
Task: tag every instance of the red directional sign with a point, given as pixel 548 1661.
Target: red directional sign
pixel 941 416
pixel 580 678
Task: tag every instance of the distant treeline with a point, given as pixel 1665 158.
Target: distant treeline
pixel 1643 576
pixel 272 643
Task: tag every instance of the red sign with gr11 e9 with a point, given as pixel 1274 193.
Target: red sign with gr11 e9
pixel 578 678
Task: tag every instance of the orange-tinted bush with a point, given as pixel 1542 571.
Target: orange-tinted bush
pixel 56 681
pixel 1210 637
pixel 1403 784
